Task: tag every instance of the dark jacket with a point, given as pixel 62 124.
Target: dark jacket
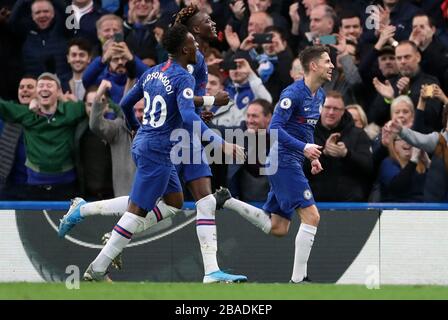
pixel 343 179
pixel 380 110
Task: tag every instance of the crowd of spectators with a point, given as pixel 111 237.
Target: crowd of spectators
pixel 67 64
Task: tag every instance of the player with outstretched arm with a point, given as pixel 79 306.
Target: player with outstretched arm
pixel 295 117
pixel 168 89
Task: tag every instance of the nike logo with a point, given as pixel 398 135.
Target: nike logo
pixel 306 109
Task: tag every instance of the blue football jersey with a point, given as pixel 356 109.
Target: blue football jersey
pixel 166 88
pixel 200 74
pixel 295 117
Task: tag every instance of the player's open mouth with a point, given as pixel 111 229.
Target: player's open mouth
pixel 45 95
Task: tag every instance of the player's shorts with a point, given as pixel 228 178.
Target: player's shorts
pixel 152 180
pixel 289 190
pixel 193 171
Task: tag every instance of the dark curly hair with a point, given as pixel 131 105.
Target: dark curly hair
pixel 184 16
pixel 175 38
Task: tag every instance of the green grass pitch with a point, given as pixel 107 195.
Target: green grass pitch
pixel 198 291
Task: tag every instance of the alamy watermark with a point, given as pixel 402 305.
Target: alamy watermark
pixel 258 145
pixel 71 22
pixel 373 19
pixel 72 282
pixel 373 277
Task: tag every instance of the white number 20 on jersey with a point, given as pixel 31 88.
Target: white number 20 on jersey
pixel 157 101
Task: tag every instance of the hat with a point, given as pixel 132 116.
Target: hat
pixel 386 50
pixel 51 76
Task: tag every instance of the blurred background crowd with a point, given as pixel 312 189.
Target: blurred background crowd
pixel 383 124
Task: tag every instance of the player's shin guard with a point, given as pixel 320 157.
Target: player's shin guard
pixel 161 211
pixel 206 231
pixel 121 236
pixel 256 216
pixel 111 207
pixel 304 243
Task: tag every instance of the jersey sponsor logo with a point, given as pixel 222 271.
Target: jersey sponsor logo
pixel 190 68
pixel 286 103
pixel 306 120
pixel 188 93
pixel 307 194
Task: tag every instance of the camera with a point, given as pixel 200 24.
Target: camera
pixel 261 38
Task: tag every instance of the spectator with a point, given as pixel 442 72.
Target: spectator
pixel 434 54
pixel 436 186
pixel 274 62
pixel 244 180
pixel 45 46
pixel 358 115
pixel 49 137
pixel 323 22
pixel 346 78
pixel 346 157
pixel 377 62
pixel 13 176
pixel 350 26
pixel 258 22
pixel 255 17
pixel 143 17
pixel 93 155
pixel 78 57
pixel 401 177
pixel 245 85
pixel 397 13
pixel 86 13
pixel 118 136
pixel 409 82
pixel 224 116
pixel 106 27
pixel 117 65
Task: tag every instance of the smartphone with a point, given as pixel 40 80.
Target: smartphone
pixel 428 91
pixel 261 38
pixel 330 39
pixel 118 37
pixel 228 65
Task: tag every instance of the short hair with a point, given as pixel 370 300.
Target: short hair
pixel 83 44
pixel 175 38
pixel 400 99
pixel 214 71
pixel 430 19
pixel 334 94
pixel 108 17
pixel 279 30
pixel 311 53
pixel 348 14
pixel 409 42
pixel 329 13
pixel 49 1
pixel 361 112
pixel 265 105
pixel 212 51
pixel 28 76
